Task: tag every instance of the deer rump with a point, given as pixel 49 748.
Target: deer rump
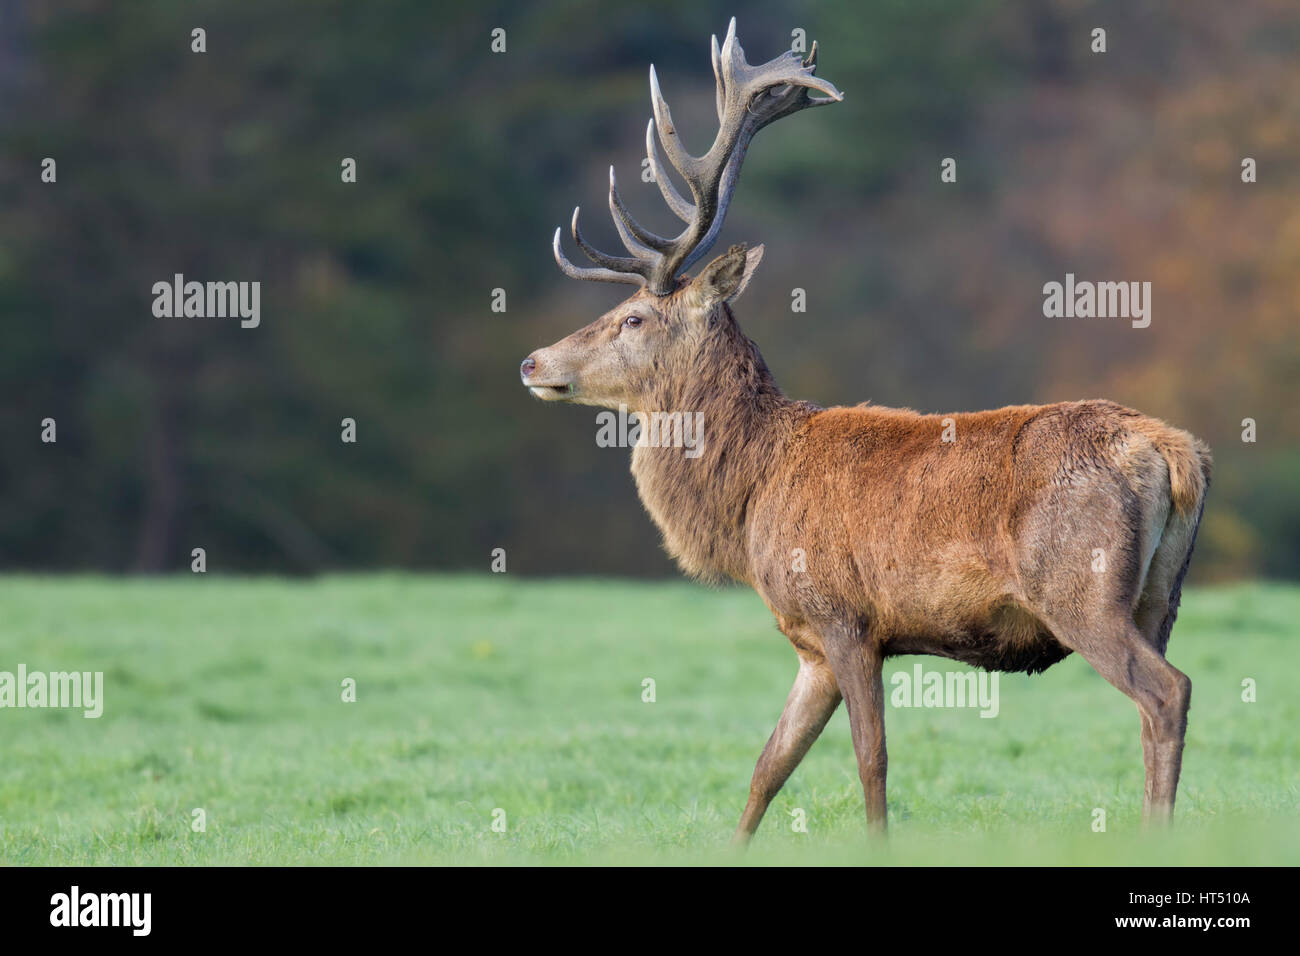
pixel 952 548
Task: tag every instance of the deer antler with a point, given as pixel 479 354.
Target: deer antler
pixel 748 98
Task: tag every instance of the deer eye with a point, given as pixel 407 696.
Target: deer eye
pixel 632 321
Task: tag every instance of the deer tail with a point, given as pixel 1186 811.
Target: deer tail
pixel 1189 462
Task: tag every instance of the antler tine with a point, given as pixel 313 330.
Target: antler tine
pixel 716 56
pixel 618 263
pixel 639 240
pixel 682 209
pixel 682 161
pixel 597 275
pixel 730 47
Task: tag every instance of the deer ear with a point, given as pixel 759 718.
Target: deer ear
pixel 723 279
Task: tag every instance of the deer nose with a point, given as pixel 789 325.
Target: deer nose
pixel 527 366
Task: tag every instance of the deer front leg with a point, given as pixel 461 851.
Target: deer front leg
pixel 858 664
pixel 812 700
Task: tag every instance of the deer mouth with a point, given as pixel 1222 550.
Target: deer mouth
pixel 552 393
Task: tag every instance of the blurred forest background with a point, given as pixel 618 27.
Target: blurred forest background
pixel 376 296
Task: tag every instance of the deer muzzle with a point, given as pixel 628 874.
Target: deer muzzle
pixel 549 387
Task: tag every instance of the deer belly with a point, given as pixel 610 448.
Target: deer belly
pixel 1008 639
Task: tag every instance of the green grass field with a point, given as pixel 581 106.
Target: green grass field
pixel 476 693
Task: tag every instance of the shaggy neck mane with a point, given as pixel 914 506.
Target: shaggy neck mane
pixel 701 504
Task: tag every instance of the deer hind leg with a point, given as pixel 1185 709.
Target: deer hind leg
pixel 1116 613
pixel 858 662
pixel 1123 655
pixel 812 700
pixel 1155 614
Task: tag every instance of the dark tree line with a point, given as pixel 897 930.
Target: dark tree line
pixel 376 295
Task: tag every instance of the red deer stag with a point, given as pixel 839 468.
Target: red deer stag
pixel 1005 539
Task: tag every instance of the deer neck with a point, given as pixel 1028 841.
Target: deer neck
pixel 739 423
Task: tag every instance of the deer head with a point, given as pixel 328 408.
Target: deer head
pixel 620 358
